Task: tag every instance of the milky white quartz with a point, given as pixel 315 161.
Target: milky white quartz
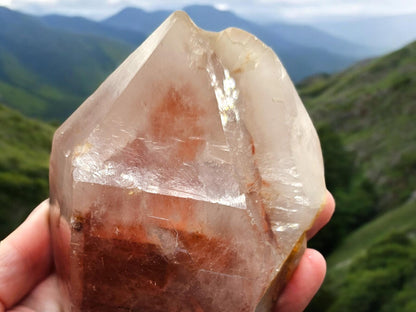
pixel 186 182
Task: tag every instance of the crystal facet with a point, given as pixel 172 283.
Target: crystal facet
pixel 186 182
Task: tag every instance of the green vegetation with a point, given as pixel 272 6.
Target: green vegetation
pixel 24 161
pixel 365 118
pixel 355 195
pixel 401 219
pixel 371 106
pixel 381 278
pixel 46 72
pixel 377 258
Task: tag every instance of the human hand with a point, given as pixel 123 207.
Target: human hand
pixel 28 283
pixel 310 273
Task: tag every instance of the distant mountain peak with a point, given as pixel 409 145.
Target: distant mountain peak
pixel 200 10
pixel 137 19
pixel 132 10
pixel 300 58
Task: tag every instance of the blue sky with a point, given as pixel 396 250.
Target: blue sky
pixel 292 10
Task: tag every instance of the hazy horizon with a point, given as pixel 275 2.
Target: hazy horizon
pixel 295 11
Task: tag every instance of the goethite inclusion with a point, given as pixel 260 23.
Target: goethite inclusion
pixel 186 182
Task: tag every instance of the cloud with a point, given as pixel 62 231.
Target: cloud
pixel 253 9
pixel 5 3
pixel 311 11
pixel 222 6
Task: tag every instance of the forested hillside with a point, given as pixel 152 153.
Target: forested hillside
pixel 366 119
pixel 24 163
pixel 372 106
pixel 46 72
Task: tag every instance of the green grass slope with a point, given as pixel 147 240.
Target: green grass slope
pixel 373 269
pixel 46 72
pixel 401 219
pixel 372 107
pixel 24 161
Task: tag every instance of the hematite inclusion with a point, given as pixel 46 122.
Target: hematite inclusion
pixel 186 182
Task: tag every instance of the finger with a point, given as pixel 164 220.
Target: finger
pixel 323 216
pixel 25 257
pixel 43 298
pixel 304 284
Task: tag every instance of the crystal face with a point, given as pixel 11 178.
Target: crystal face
pixel 186 182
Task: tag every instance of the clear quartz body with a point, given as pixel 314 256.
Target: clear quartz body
pixel 186 182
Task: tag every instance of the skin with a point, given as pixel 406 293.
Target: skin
pixel 27 281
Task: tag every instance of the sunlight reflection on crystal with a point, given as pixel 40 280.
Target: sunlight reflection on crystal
pixel 88 169
pixel 226 96
pixel 279 227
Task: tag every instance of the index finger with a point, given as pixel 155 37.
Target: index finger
pixel 25 257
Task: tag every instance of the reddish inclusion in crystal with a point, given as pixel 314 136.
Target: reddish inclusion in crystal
pixel 124 271
pixel 176 117
pixel 133 274
pixel 174 123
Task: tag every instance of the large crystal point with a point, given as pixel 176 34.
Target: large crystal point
pixel 186 182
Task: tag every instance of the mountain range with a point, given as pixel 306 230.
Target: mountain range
pixel 382 34
pixel 52 63
pixel 300 57
pixel 46 72
pixel 81 25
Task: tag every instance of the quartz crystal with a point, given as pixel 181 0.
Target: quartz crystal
pixel 186 182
